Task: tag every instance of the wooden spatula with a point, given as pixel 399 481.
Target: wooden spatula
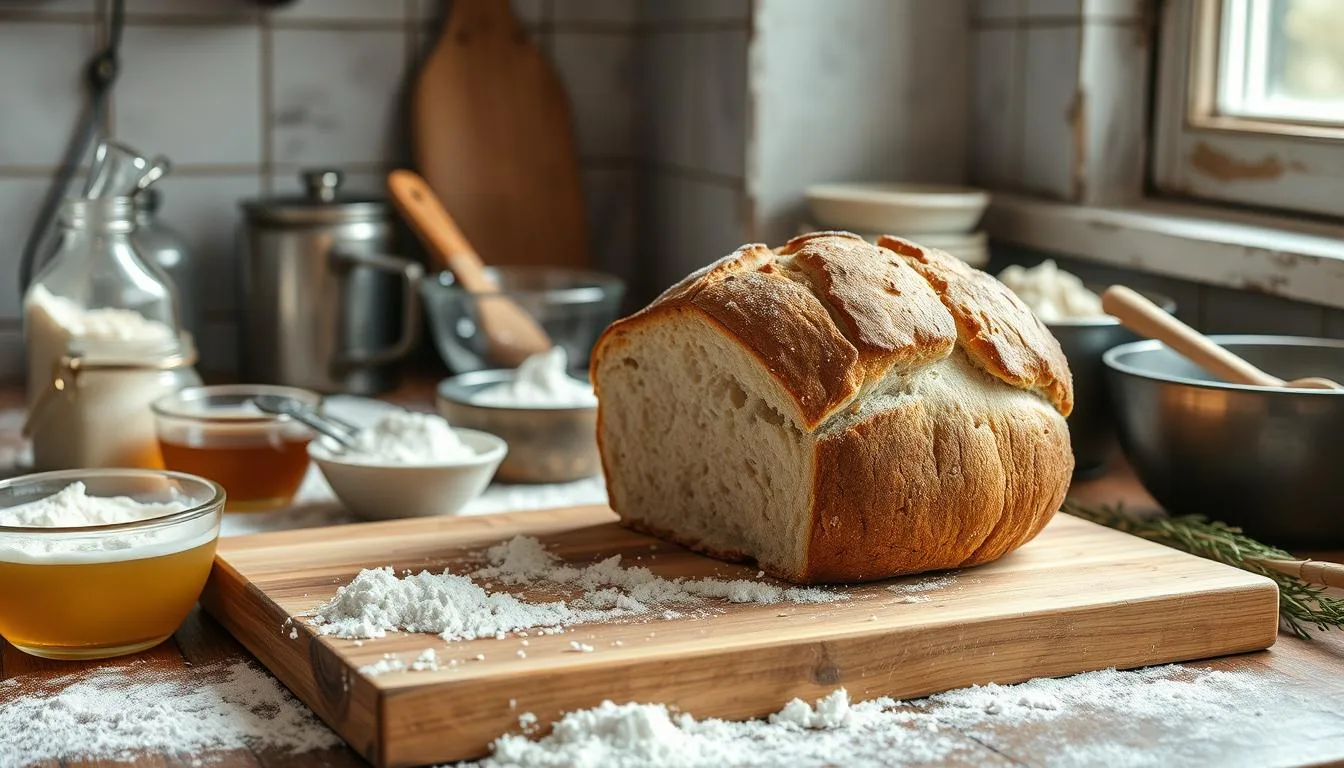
pixel 511 334
pixel 492 135
pixel 1147 319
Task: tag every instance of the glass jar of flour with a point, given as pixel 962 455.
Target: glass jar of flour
pixel 103 343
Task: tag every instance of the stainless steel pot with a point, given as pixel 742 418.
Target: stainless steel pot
pixel 323 305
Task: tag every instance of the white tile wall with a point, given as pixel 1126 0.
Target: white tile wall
pixel 204 210
pixel 997 10
pixel 1115 63
pixel 600 73
pixel 1067 82
pixel 337 95
pixel 659 12
pixel 854 90
pixel 1049 91
pixel 1053 8
pixel 717 224
pixel 191 9
pixel 613 218
pixel 625 12
pixel 996 120
pixel 345 10
pixel 697 88
pixel 241 100
pixel 191 92
pixel 19 201
pixel 36 112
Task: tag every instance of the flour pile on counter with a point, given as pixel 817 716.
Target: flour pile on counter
pixel 407 437
pixel 454 606
pixel 1052 293
pixel 542 381
pixel 1223 707
pixel 103 713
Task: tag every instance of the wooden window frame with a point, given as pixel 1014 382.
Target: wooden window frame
pixel 1258 162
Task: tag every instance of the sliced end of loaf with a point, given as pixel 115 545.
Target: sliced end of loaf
pixel 707 455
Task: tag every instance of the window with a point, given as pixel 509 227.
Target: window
pixel 1251 103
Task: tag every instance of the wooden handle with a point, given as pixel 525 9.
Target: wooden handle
pixel 1312 571
pixel 437 230
pixel 1147 319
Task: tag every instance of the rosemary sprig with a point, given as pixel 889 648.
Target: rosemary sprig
pixel 1300 604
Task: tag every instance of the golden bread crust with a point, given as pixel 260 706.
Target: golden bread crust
pixel 996 329
pixel 887 311
pixel 906 475
pixel 923 487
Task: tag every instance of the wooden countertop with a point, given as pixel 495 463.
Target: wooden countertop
pixel 1293 736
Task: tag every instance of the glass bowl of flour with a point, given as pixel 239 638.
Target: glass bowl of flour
pixel 97 563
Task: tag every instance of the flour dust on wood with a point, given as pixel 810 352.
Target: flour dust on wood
pixel 1159 716
pixel 464 606
pixel 117 713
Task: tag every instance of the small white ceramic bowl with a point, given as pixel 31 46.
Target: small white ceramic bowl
pixel 389 491
pixel 895 208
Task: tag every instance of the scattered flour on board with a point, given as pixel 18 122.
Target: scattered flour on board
pixel 1215 709
pixel 107 713
pixel 456 607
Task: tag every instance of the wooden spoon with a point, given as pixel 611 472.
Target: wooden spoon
pixel 511 334
pixel 1147 319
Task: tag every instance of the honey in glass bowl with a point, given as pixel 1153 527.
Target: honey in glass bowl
pixel 215 432
pixel 96 591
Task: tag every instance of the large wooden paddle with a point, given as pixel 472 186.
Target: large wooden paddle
pixel 492 135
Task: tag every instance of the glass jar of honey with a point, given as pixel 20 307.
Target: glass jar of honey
pixel 215 432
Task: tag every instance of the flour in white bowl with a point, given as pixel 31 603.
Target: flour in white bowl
pixel 541 381
pixel 1214 710
pixel 459 607
pixel 74 507
pixel 408 438
pixel 1052 293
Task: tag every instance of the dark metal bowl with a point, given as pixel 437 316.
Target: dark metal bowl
pixel 1092 423
pixel 1267 459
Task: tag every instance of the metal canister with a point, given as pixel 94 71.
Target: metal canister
pixel 324 306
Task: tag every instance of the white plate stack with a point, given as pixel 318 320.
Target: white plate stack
pixel 943 217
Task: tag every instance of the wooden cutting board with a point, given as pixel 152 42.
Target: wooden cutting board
pixel 492 135
pixel 1080 597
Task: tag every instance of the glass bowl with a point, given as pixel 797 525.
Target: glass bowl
pixel 95 591
pixel 573 307
pixel 215 432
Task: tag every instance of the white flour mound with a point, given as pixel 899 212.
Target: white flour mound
pixel 104 713
pixel 456 607
pixel 1214 708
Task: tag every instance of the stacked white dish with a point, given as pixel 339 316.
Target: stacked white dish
pixel 937 216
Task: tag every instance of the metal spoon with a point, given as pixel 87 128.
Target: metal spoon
pixel 341 431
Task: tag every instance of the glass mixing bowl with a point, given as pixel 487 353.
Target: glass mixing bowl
pixel 573 307
pixel 95 591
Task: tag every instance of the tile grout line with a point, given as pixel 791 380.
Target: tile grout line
pixel 267 110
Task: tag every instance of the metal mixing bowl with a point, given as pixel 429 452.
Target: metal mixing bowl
pixel 573 307
pixel 1269 460
pixel 1092 423
pixel 546 444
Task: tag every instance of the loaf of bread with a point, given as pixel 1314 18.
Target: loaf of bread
pixel 836 411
